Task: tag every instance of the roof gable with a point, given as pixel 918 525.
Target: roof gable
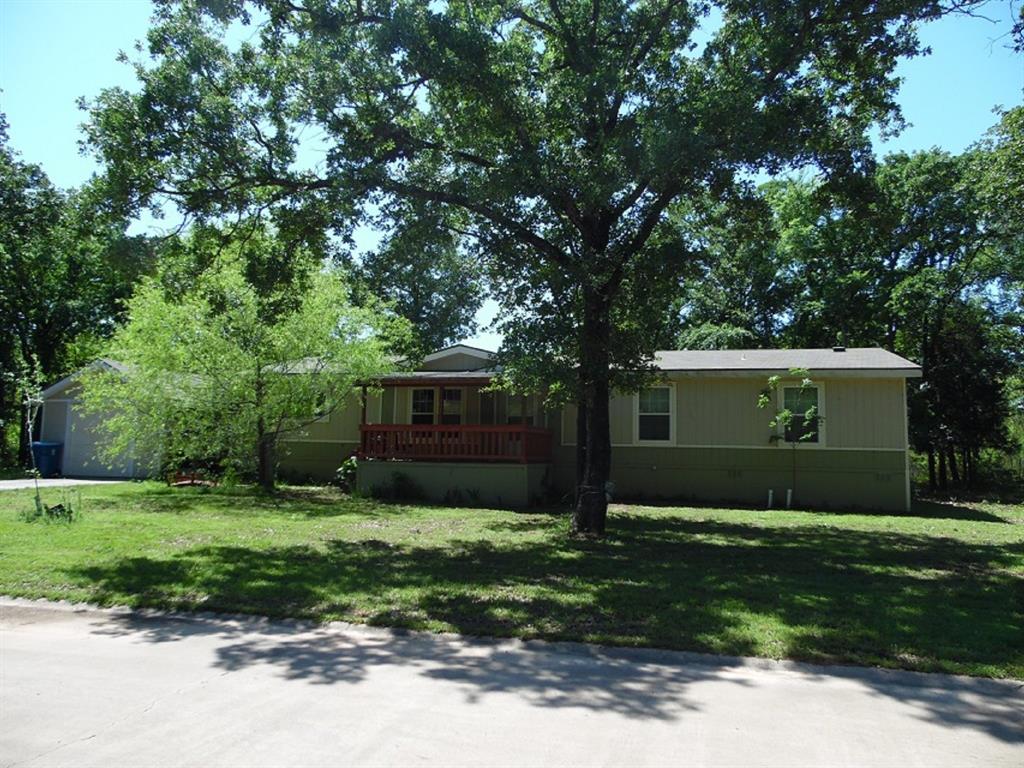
pixel 103 364
pixel 458 357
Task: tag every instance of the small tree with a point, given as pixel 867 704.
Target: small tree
pixel 32 403
pixel 213 375
pixel 788 425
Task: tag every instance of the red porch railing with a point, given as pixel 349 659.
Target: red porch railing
pixel 463 442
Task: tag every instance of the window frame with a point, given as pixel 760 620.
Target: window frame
pixel 412 403
pixel 780 404
pixel 671 439
pixel 526 410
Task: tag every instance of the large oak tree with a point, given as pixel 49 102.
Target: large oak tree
pixel 573 136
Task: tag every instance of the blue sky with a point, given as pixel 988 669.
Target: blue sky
pixel 54 51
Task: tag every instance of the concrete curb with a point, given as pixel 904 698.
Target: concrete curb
pixel 655 656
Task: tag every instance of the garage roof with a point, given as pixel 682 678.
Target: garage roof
pixel 104 363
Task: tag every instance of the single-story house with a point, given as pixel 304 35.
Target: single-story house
pixel 698 434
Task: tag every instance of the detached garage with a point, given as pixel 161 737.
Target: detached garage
pixel 62 422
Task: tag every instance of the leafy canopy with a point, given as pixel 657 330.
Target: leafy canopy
pixel 563 132
pixel 217 371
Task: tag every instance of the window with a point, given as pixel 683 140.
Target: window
pixel 800 401
pixel 451 406
pixel 422 406
pixel 518 410
pixel 654 415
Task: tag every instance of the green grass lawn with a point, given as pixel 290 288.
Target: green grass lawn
pixel 940 589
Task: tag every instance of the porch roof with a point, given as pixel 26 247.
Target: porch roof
pixel 437 378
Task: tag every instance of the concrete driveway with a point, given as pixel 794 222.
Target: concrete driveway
pixel 50 482
pixel 90 687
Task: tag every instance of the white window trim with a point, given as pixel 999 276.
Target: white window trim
pixel 780 399
pixel 436 407
pixel 671 387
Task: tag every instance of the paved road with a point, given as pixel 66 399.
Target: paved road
pixel 106 688
pixel 50 482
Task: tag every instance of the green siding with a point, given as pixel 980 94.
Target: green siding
pixel 865 413
pixel 722 411
pixel 388 396
pixel 823 478
pixel 302 460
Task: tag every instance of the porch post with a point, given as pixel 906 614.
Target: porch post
pixel 362 422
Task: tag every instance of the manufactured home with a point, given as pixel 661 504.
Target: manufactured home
pixel 697 434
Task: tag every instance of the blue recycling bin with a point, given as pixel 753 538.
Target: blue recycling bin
pixel 47 455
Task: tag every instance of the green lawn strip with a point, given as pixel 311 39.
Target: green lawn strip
pixel 939 590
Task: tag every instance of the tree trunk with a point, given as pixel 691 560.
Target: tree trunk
pixel 6 409
pixel 932 482
pixel 943 483
pixel 581 448
pixel 954 469
pixel 591 508
pixel 264 457
pixel 971 466
pixel 264 441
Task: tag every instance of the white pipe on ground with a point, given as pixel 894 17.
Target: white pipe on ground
pixel 771 495
pixel 789 498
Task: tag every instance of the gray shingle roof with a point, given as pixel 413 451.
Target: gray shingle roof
pixel 428 375
pixel 851 359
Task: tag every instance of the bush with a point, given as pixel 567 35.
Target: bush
pixel 345 475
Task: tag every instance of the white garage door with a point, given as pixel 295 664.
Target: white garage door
pixel 81 449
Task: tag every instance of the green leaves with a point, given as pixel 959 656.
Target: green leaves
pixel 567 128
pixel 222 362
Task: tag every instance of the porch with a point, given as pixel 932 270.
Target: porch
pixel 518 443
pixel 453 417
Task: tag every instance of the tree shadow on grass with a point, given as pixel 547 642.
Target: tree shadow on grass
pixel 945 510
pixel 921 508
pixel 818 594
pixel 245 501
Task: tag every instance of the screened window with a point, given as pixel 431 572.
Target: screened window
pixel 654 414
pixel 803 403
pixel 423 406
pixel 518 410
pixel 451 407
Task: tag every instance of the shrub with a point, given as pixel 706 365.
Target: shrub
pixel 345 475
